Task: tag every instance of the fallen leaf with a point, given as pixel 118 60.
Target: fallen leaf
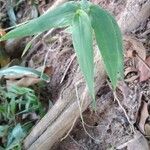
pixel 49 71
pixel 143 116
pixel 130 70
pixel 132 79
pixel 147 129
pixel 144 71
pixel 137 143
pixel 125 89
pixel 131 53
pixel 24 81
pixel 133 46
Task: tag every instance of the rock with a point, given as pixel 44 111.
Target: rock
pixel 14 47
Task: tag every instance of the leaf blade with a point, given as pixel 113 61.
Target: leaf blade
pixel 22 71
pixel 109 40
pixel 60 16
pixel 82 41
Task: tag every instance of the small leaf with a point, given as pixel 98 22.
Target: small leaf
pixel 109 40
pixel 18 72
pixel 29 44
pixel 3 130
pixel 82 41
pixel 61 16
pixel 16 136
pixel 144 70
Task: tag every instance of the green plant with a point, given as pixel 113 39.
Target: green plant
pixel 19 71
pixel 83 18
pixel 14 103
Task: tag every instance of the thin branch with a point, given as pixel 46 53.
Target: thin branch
pixel 62 79
pixel 146 65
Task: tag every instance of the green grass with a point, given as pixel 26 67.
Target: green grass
pixel 15 103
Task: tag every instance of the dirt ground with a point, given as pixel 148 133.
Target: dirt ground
pixel 114 123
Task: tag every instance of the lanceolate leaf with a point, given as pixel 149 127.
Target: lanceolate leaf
pixel 15 137
pixel 109 40
pixel 18 71
pixel 82 41
pixel 61 16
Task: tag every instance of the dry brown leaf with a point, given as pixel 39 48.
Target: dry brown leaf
pixel 130 70
pixel 147 129
pixel 143 116
pixel 124 88
pixel 137 143
pixel 132 79
pixel 131 53
pixel 144 71
pixel 49 70
pixel 24 81
pixel 133 46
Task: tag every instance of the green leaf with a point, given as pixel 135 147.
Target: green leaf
pixel 61 16
pixel 82 41
pixel 1 148
pixel 15 137
pixel 29 44
pixel 3 130
pixel 109 40
pixel 22 71
pixel 12 106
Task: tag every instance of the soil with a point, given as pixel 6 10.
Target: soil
pixel 109 127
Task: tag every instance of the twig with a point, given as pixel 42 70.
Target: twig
pixel 29 43
pixel 89 125
pixel 44 63
pixel 3 6
pixel 146 65
pixel 62 79
pixel 48 33
pixel 49 50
